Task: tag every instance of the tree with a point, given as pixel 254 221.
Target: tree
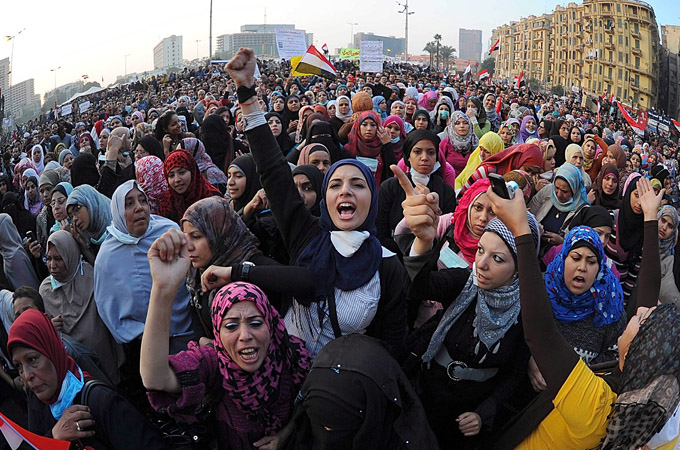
pixel 438 40
pixel 557 90
pixel 490 65
pixel 447 52
pixel 431 48
pixel 534 84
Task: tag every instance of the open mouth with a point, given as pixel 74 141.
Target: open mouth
pixel 249 354
pixel 579 281
pixel 346 211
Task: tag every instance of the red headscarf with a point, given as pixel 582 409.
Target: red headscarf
pixel 515 157
pixel 466 242
pixel 366 149
pixel 173 205
pixel 33 329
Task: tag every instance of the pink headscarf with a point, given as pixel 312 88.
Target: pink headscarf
pixel 151 178
pixel 424 101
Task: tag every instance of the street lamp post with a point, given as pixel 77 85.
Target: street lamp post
pixel 11 59
pixel 55 78
pixel 197 41
pixel 126 56
pixel 406 13
pixel 210 46
pixel 351 33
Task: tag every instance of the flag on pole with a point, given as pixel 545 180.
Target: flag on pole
pixel 483 74
pixel 85 77
pixel 519 80
pixel 494 47
pixel 324 48
pixel 314 63
pixel 677 124
pixel 604 96
pixel 468 68
pixel 640 124
pixel 598 109
pixel 613 99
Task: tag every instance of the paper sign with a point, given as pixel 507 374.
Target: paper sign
pixel 290 43
pixel 66 110
pixel 371 56
pixel 349 53
pixel 84 106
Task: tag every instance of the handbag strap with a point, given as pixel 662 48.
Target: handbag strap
pixel 333 315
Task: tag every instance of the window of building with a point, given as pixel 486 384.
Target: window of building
pixel 609 74
pixel 637 62
pixel 636 27
pixel 620 56
pixel 625 93
pixel 618 9
pixel 620 39
pixel 618 92
pixel 637 43
pixel 637 80
pixel 620 74
pixel 626 58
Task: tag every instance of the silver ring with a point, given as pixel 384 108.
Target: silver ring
pixel 78 426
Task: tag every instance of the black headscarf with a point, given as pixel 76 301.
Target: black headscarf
pixel 322 133
pixel 84 170
pixel 424 113
pixel 359 391
pixel 416 136
pixel 579 132
pixel 556 125
pixel 217 141
pixel 246 164
pixel 593 217
pixel 560 149
pixel 481 112
pixel 13 205
pixel 152 146
pixel 611 202
pixel 629 233
pixel 315 177
pixel 283 139
pixel 659 172
pixel 289 115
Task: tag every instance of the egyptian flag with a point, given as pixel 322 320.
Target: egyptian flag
pixel 677 124
pixel 324 48
pixel 483 74
pixel 468 68
pixel 314 63
pixel 494 47
pixel 16 436
pixel 598 109
pixel 519 80
pixel 639 124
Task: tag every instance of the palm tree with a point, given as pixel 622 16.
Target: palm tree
pixel 437 40
pixel 447 52
pixel 431 48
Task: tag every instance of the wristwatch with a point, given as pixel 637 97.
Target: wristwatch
pixel 245 270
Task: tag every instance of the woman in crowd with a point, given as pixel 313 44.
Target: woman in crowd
pixel 217 141
pixel 491 114
pixel 84 170
pixel 308 178
pixel 625 244
pixel 68 294
pixel 477 114
pixel 668 238
pixel 555 205
pixel 575 135
pixel 291 113
pixel 45 219
pixel 489 145
pixel 559 136
pixel 587 412
pixel 32 201
pixel 16 263
pixel 441 114
pixel 208 169
pixel 243 185
pixel 148 146
pixel 90 212
pixel 574 155
pixel 421 120
pixel 66 160
pixel 459 142
pixel 527 129
pixel 186 185
pixel 342 113
pixel 478 342
pixel 380 106
pixel 38 158
pixel 121 270
pixel 605 191
pixel 421 151
pixel 345 299
pixel 371 144
pixel 398 109
pixel 151 178
pixel 56 394
pixel 317 155
pixel 395 126
pixel 169 131
pixel 60 194
pixel 507 134
pixel 592 163
pixel 276 123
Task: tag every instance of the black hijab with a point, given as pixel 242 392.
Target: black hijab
pixel 560 149
pixel 13 205
pixel 152 146
pixel 246 165
pixel 283 139
pixel 556 125
pixel 84 170
pixel 322 133
pixel 579 132
pixel 593 217
pixel 424 113
pixel 315 177
pixel 629 234
pixel 416 136
pixel 289 115
pixel 217 141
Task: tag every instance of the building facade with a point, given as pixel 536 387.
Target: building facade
pixel 470 44
pixel 670 38
pixel 392 46
pixel 168 53
pixel 261 38
pixel 4 74
pixel 22 99
pixel 597 46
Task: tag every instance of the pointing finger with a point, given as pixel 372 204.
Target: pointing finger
pixel 404 182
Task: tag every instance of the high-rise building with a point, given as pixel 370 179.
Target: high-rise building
pixel 4 74
pixel 168 53
pixel 392 46
pixel 596 46
pixel 669 68
pixel 470 44
pixel 261 38
pixel 670 38
pixel 22 97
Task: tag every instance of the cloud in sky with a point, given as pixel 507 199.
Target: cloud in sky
pixel 91 38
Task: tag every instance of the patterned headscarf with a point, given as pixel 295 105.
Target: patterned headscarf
pixel 173 205
pixel 251 392
pixel 299 135
pixel 649 383
pixel 667 246
pixel 572 175
pixel 151 178
pixel 461 144
pixel 19 170
pixel 604 298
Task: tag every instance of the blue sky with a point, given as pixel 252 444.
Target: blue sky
pixel 84 37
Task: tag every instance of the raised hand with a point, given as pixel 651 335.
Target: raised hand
pixel 241 68
pixel 384 135
pixel 169 259
pixel 215 277
pixel 649 200
pixel 421 212
pixel 513 213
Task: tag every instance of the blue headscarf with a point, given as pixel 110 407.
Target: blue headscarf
pixel 376 106
pixel 667 246
pixel 99 208
pixel 331 269
pixel 604 298
pixel 572 175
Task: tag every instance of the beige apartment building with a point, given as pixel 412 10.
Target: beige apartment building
pixel 597 45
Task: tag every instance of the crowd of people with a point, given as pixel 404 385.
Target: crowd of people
pixel 387 261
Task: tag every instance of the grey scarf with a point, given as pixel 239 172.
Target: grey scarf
pixel 496 312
